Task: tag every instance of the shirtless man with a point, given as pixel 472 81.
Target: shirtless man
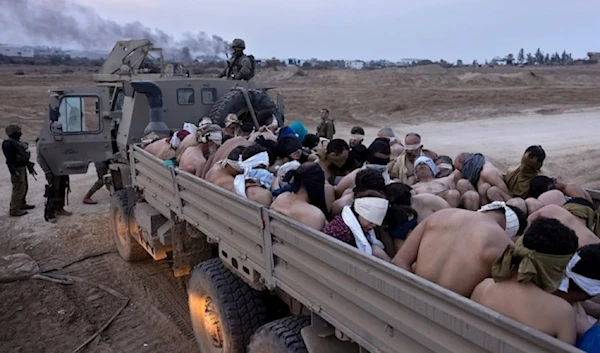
pixel 445 251
pixel 525 295
pixel 366 179
pixel 518 179
pixel 579 225
pixel 333 157
pixel 162 149
pixel 548 191
pixel 223 152
pixel 427 183
pixel 194 158
pixel 396 146
pixel 482 176
pixel 378 157
pixel 192 139
pixel 223 173
pixel 306 202
pixel 445 165
pixel 402 168
pixel 255 182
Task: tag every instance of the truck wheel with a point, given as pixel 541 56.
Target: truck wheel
pixel 128 248
pixel 280 336
pixel 224 310
pixel 234 102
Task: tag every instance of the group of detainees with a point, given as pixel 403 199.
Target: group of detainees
pixel 518 242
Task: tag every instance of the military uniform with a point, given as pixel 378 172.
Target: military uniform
pixel 326 129
pixel 240 65
pixel 56 191
pixel 17 156
pixel 101 171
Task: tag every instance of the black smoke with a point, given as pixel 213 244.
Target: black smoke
pixel 64 22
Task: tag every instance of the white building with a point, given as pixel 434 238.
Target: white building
pixel 355 64
pixel 293 62
pixel 24 52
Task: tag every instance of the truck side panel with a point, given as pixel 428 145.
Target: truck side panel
pixel 379 306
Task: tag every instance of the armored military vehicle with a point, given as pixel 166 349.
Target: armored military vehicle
pixel 85 122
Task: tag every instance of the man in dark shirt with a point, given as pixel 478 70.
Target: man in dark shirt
pixel 17 159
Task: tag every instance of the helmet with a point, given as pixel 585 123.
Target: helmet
pixel 12 129
pixel 238 43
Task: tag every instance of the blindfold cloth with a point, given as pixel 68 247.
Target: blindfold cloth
pixel 512 221
pixel 544 270
pixel 429 162
pixel 588 285
pixel 373 209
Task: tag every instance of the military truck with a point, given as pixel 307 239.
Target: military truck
pixel 258 281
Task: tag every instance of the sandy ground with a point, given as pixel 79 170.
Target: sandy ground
pixel 497 112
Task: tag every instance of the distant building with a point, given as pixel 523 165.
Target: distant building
pixel 293 62
pixel 23 52
pixel 91 54
pixel 355 64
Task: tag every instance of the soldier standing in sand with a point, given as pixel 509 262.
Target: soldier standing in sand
pixel 17 156
pixel 326 128
pixel 240 65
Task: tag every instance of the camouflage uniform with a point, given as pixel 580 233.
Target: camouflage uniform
pixel 56 191
pixel 101 171
pixel 17 156
pixel 240 66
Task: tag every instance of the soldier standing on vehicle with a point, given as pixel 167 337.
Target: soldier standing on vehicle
pixel 101 171
pixel 17 156
pixel 326 127
pixel 240 67
pixel 55 192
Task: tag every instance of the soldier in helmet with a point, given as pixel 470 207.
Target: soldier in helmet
pixel 17 156
pixel 240 65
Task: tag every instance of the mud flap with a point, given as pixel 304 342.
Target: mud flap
pixel 316 344
pixel 189 248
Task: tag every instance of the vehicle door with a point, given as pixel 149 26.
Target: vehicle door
pixel 78 131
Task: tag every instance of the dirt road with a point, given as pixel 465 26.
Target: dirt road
pixel 48 317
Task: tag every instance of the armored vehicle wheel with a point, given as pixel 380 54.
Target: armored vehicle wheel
pixel 128 248
pixel 224 310
pixel 234 102
pixel 280 336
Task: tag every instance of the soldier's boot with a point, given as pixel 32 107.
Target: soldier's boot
pixel 63 212
pixel 27 207
pixel 18 213
pixel 49 215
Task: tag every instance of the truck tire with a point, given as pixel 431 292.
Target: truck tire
pixel 234 102
pixel 280 336
pixel 129 249
pixel 224 310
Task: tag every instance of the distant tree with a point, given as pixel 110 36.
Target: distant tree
pixel 459 62
pixel 555 58
pixel 486 63
pixel 547 59
pixel 306 65
pixel 475 63
pixel 272 63
pixel 521 56
pixel 530 59
pixel 539 57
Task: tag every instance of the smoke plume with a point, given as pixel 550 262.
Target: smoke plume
pixel 64 22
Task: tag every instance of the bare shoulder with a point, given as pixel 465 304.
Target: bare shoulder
pixel 314 218
pixel 480 290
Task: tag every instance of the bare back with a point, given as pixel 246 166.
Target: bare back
pixel 188 141
pixel 455 249
pixel 192 160
pixel 220 177
pixel 301 211
pixel 529 305
pixel 584 235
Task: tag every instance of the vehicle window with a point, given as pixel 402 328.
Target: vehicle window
pixel 80 114
pixel 185 96
pixel 209 95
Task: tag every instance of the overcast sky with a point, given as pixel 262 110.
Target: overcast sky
pixel 373 29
